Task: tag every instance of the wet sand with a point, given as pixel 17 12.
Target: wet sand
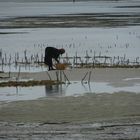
pixel 114 76
pixel 91 116
pixel 103 116
pixel 73 20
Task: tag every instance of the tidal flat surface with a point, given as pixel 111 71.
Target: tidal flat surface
pixel 75 89
pixel 107 28
pixel 106 116
pixel 102 80
pixel 110 28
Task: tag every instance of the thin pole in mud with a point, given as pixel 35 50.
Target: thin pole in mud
pixel 18 74
pixel 48 75
pixel 89 77
pixel 2 63
pixel 5 58
pixel 9 73
pixel 60 72
pixel 57 78
pixel 59 75
pixel 76 59
pixel 66 77
pixel 84 77
pixel 0 53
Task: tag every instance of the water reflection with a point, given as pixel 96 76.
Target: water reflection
pixel 73 89
pixel 87 86
pixel 67 89
pixel 54 90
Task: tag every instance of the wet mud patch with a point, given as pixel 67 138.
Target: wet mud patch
pixel 73 20
pixel 6 33
pixel 104 116
pixel 87 108
pixel 107 131
pixel 51 89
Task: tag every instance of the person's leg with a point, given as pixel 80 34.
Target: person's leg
pixel 49 61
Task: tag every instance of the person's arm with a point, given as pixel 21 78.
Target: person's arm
pixel 56 59
pixel 56 54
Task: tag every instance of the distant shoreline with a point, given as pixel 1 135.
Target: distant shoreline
pixel 72 20
pixel 52 0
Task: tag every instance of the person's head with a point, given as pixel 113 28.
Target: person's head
pixel 62 51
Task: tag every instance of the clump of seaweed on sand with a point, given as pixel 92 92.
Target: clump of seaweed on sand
pixel 29 83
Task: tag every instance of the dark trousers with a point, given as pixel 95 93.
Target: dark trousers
pixel 48 61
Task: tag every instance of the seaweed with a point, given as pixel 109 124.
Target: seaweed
pixel 29 83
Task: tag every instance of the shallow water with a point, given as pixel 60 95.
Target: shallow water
pixel 119 41
pixel 113 42
pixel 14 9
pixel 74 89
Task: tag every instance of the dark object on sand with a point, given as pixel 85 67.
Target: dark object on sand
pixel 52 53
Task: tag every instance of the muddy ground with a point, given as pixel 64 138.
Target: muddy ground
pixel 118 77
pixel 92 116
pixel 72 20
pixel 88 117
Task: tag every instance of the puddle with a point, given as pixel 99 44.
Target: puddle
pixel 130 79
pixel 74 89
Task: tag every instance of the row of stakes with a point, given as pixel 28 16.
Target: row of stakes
pixel 60 75
pixel 74 61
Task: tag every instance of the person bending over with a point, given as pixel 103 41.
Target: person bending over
pixel 52 53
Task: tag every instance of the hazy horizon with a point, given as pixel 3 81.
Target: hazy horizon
pixel 51 0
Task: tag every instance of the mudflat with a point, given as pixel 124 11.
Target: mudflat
pixel 102 116
pixel 110 75
pixel 90 116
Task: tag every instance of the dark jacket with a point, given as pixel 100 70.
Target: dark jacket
pixel 51 52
